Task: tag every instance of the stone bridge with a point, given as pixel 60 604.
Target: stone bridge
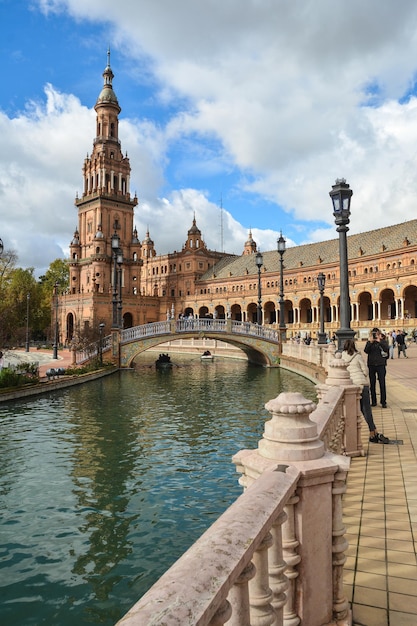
pixel 258 342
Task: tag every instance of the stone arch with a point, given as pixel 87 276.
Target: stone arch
pixel 410 301
pixel 388 304
pixel 70 323
pixel 270 314
pixel 127 320
pixel 365 306
pixel 306 313
pixel 236 312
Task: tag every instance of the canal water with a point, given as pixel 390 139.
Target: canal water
pixel 103 486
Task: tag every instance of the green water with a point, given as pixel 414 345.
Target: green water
pixel 103 486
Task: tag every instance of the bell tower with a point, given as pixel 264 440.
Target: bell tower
pixel 106 206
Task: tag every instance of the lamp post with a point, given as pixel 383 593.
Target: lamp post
pixel 115 246
pixel 1 247
pixel 100 345
pixel 55 346
pixel 27 321
pixel 321 282
pixel 282 327
pixel 119 272
pixel 259 262
pixel 341 195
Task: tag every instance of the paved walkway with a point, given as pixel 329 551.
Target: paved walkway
pixel 43 357
pixel 380 509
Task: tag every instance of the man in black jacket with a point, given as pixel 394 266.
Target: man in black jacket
pixel 377 350
pixel 400 340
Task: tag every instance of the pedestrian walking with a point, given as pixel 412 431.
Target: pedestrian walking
pixel 377 350
pixel 358 372
pixel 400 339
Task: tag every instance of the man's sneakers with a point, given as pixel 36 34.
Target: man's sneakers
pixel 379 438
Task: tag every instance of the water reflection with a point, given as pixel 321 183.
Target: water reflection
pixel 105 485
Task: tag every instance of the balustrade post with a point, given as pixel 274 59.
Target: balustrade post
pixel 278 581
pixel 239 598
pixel 222 615
pixel 260 594
pixel 292 559
pixel 340 545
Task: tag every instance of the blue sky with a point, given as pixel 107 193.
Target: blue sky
pixel 243 112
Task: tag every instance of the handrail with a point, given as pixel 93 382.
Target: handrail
pixel 198 590
pixel 170 327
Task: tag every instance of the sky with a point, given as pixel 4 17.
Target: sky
pixel 240 112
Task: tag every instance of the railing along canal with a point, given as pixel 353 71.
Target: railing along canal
pixel 276 556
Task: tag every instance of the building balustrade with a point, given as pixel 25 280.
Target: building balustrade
pixel 276 555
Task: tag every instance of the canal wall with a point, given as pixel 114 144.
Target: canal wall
pixel 21 393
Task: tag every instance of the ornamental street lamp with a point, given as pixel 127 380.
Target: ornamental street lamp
pixel 100 345
pixel 341 196
pixel 282 327
pixel 259 262
pixel 115 246
pixel 27 321
pixel 119 304
pixel 321 282
pixel 55 346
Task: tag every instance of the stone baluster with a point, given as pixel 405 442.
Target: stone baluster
pixel 222 615
pixel 292 559
pixel 239 598
pixel 340 544
pixel 260 595
pixel 278 581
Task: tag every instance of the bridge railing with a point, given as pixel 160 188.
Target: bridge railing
pixel 154 329
pixel 92 350
pixel 254 330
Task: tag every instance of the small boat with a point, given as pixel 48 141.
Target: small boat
pixel 163 362
pixel 207 356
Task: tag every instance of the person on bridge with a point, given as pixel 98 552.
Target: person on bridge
pixel 358 372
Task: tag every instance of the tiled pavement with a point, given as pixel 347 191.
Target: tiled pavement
pixel 380 509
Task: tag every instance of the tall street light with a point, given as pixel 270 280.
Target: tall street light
pixel 259 262
pixel 55 346
pixel 119 304
pixel 1 247
pixel 27 321
pixel 282 327
pixel 117 259
pixel 341 196
pixel 321 282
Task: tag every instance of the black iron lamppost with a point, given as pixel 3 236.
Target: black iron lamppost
pixel 1 247
pixel 341 195
pixel 27 321
pixel 282 327
pixel 55 346
pixel 259 262
pixel 117 259
pixel 321 282
pixel 120 275
pixel 100 345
